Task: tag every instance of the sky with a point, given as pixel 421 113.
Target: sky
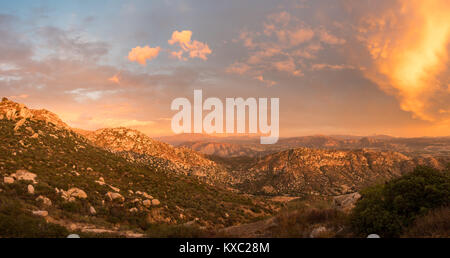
pixel 354 67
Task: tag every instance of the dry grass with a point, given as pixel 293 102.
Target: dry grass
pixel 301 223
pixel 436 224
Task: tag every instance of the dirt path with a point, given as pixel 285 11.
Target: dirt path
pixel 90 228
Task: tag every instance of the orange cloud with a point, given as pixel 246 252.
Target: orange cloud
pixel 299 36
pixel 115 79
pixel 286 44
pixel 328 38
pixel 317 67
pixel 142 54
pixel 409 47
pixel 196 49
pixel 287 66
pixel 238 68
pixel 178 55
pixel 269 83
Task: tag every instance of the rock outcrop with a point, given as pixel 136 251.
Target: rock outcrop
pixel 22 174
pixel 44 200
pixel 40 213
pixel 30 189
pixel 115 196
pixel 346 202
pixel 15 111
pixel 72 194
pixel 8 180
pixel 138 147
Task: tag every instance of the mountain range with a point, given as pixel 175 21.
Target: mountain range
pixel 248 146
pixel 120 181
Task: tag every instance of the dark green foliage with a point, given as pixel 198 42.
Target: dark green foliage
pixel 16 222
pixel 388 209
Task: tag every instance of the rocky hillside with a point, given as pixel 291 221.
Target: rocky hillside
pixel 11 110
pixel 438 147
pixel 138 147
pixel 224 149
pixel 305 171
pixel 48 171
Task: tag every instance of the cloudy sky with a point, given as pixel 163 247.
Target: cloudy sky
pixel 338 66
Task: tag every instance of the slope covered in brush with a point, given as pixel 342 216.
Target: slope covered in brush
pixel 58 174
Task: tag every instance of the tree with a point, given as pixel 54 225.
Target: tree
pixel 388 209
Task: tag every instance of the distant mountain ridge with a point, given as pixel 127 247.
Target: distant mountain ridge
pixel 233 146
pixel 305 171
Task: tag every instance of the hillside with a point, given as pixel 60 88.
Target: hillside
pixel 52 172
pixel 120 182
pixel 304 171
pixel 138 147
pixel 223 149
pixel 438 147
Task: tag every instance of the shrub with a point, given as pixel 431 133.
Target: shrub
pixel 388 209
pixel 300 223
pixel 15 222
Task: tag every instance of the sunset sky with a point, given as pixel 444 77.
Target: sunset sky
pixel 338 66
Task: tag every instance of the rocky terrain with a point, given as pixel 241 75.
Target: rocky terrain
pixel 438 147
pixel 51 172
pixel 305 171
pixel 120 182
pixel 138 147
pixel 224 149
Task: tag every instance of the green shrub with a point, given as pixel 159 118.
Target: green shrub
pixel 15 222
pixel 388 209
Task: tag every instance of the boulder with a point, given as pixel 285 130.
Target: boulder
pixel 317 232
pixel 73 193
pixel 100 182
pixel 146 195
pixel 147 203
pixel 23 174
pixel 41 213
pixel 77 193
pixel 115 196
pixel 133 210
pixel 8 180
pixel 19 124
pixel 92 210
pixel 346 202
pixel 30 189
pixel 115 189
pixel 46 201
pixel 156 202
